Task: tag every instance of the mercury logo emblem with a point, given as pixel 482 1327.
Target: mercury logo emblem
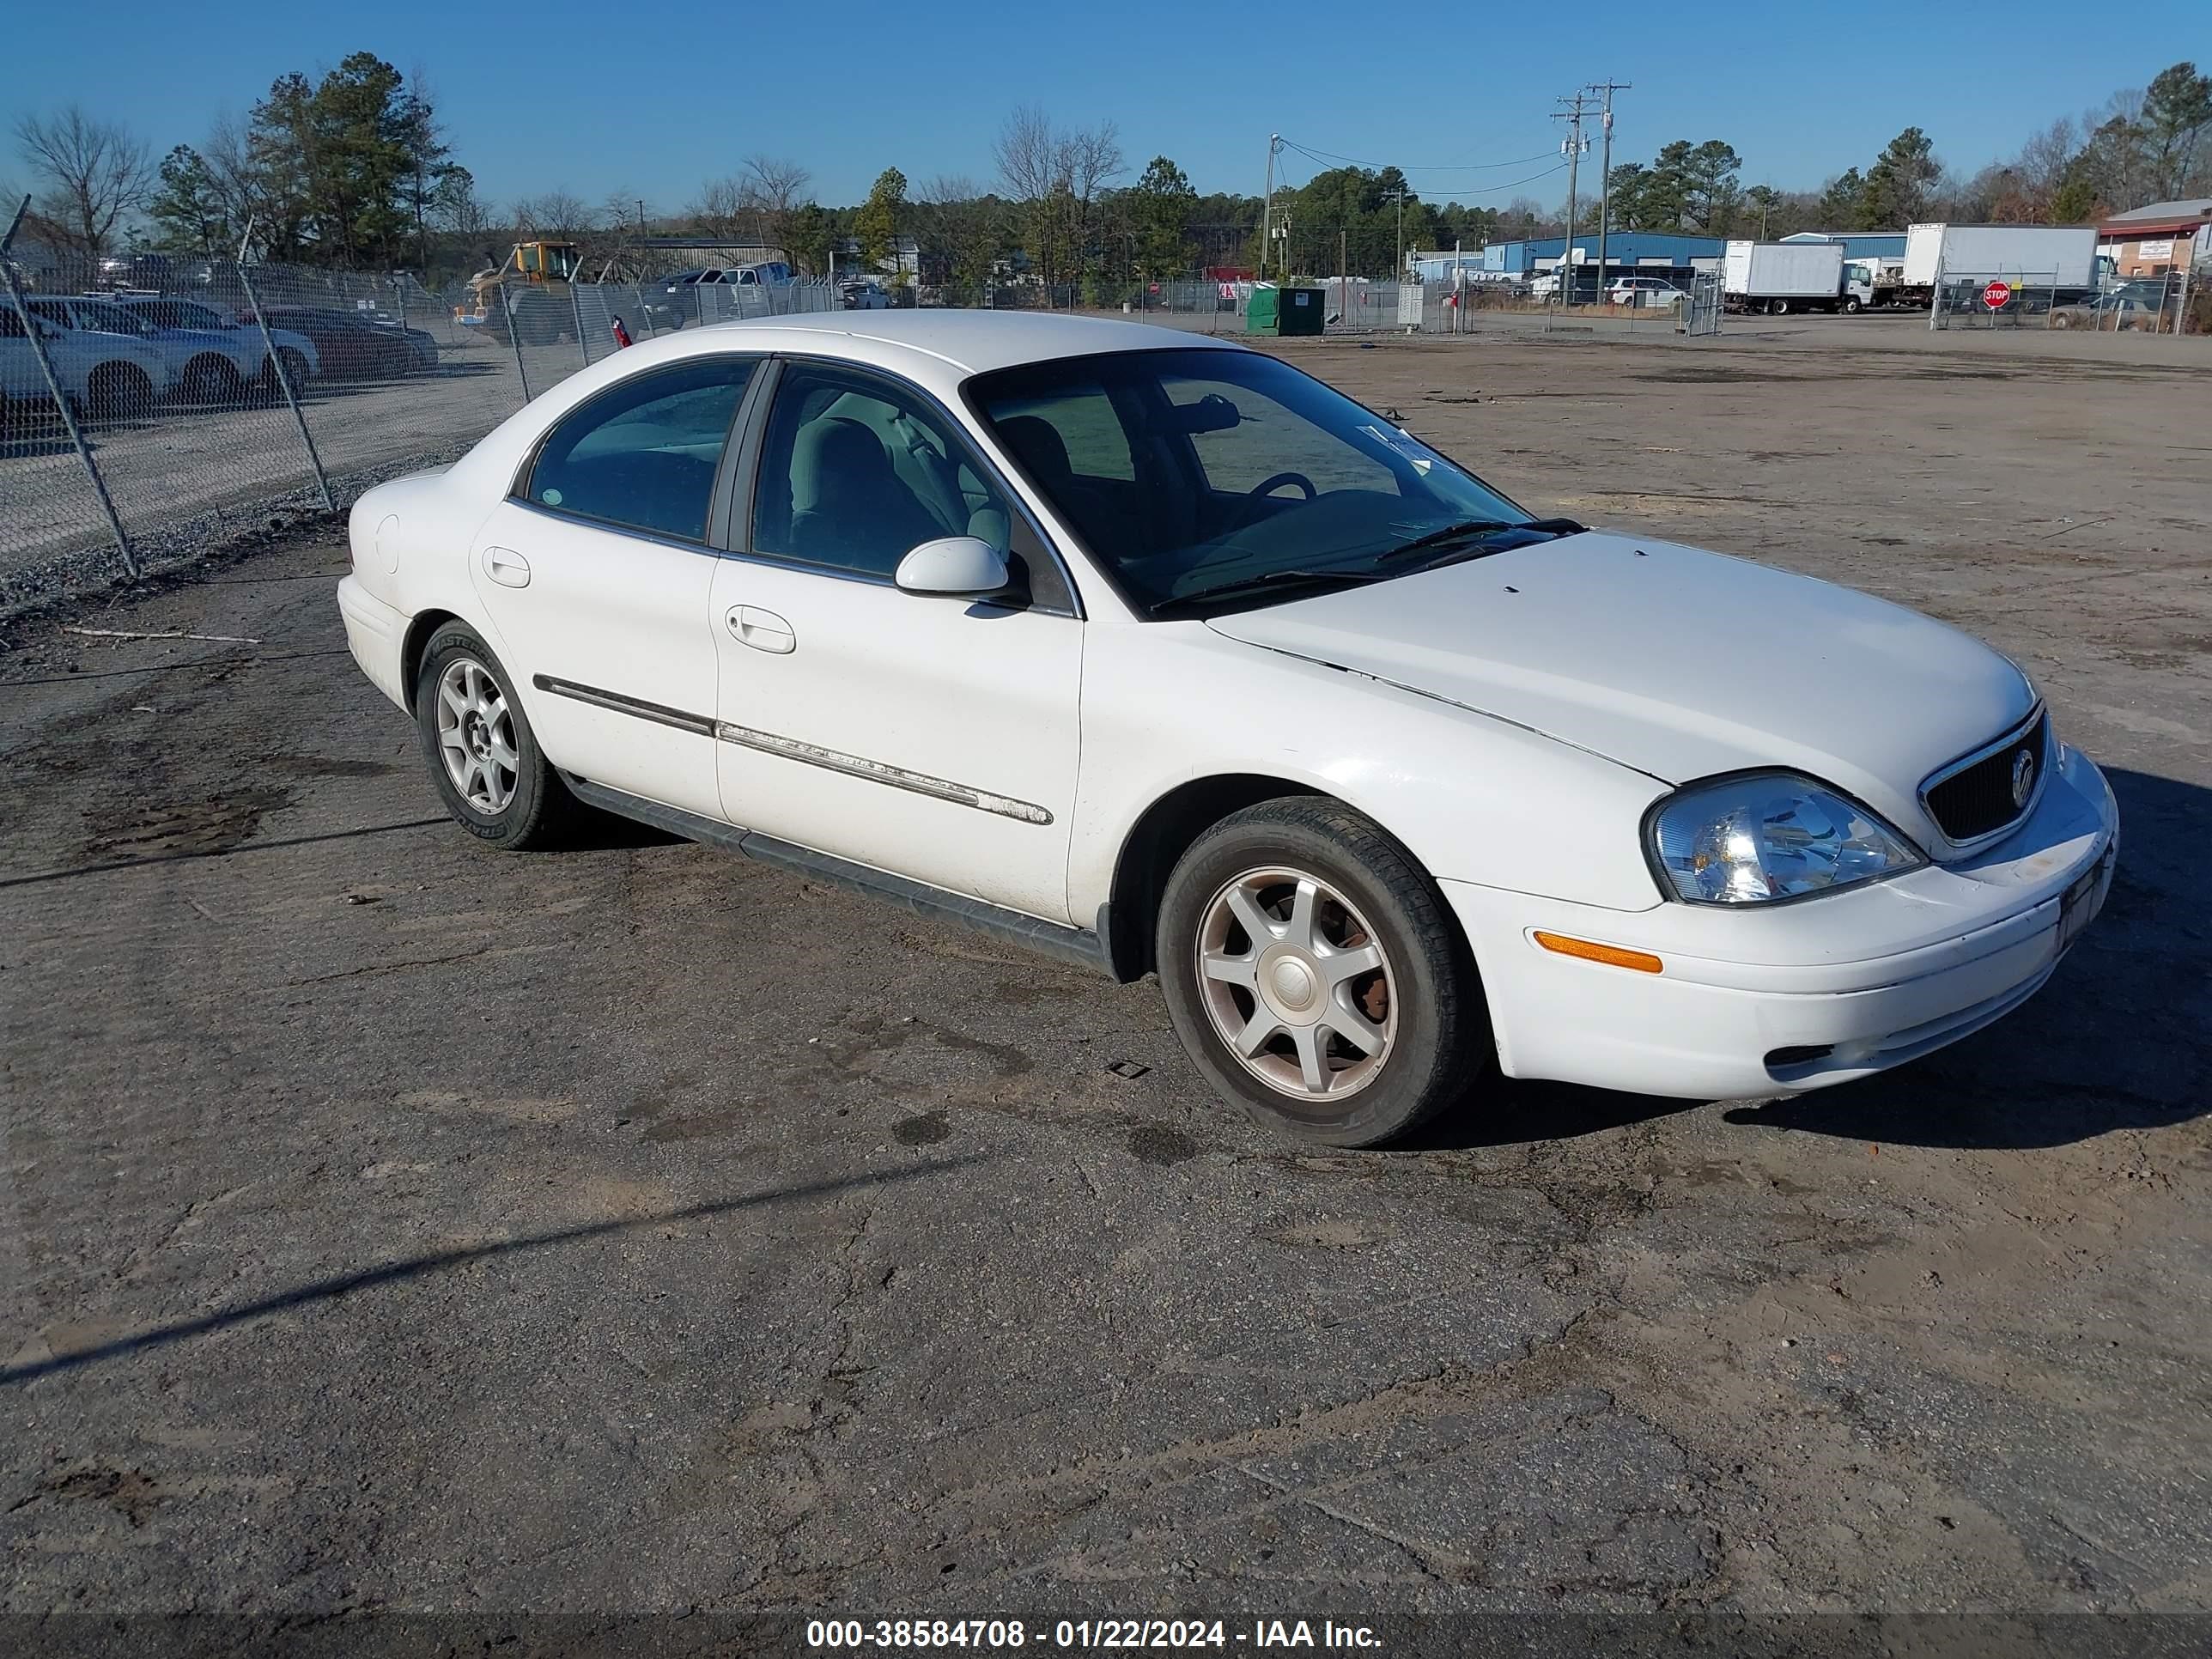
pixel 2023 777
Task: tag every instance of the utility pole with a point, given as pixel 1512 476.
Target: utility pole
pixel 1267 203
pixel 1578 107
pixel 1605 89
pixel 1398 273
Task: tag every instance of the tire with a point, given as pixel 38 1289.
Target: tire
pixel 1420 1054
pixel 114 391
pixel 509 807
pixel 1851 306
pixel 1777 308
pixel 211 380
pixel 296 372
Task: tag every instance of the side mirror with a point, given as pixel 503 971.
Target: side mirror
pixel 954 566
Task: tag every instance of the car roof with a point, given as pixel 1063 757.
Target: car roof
pixel 979 341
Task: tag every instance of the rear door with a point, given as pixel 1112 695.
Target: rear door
pixel 597 573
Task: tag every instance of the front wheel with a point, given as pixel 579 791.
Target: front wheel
pixel 1313 974
pixel 1852 307
pixel 484 757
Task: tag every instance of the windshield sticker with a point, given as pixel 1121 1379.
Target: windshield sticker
pixel 1405 444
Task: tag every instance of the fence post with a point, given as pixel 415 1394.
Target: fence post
pixel 577 311
pixel 61 398
pixel 276 368
pixel 514 334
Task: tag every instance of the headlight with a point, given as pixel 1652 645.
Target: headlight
pixel 1769 835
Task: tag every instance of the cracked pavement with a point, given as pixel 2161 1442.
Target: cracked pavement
pixel 392 1224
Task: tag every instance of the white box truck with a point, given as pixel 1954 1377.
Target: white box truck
pixel 2043 265
pixel 1781 277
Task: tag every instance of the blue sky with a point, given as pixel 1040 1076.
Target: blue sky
pixel 654 98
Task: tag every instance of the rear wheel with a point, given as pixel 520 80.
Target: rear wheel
pixel 295 364
pixel 117 391
pixel 1313 974
pixel 212 379
pixel 484 757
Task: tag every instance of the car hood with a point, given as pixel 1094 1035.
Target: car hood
pixel 1675 661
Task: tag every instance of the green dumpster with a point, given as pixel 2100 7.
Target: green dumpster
pixel 1284 311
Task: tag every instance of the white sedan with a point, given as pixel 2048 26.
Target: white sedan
pixel 1154 653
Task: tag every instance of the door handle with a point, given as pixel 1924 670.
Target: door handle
pixel 764 631
pixel 506 566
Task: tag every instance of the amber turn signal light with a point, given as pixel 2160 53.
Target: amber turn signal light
pixel 1640 960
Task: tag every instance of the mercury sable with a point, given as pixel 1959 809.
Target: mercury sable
pixel 1155 653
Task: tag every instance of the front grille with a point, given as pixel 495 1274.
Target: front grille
pixel 1980 800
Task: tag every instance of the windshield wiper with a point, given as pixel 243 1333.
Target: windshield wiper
pixel 1263 581
pixel 1467 527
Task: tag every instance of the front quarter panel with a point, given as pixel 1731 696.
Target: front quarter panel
pixel 1473 798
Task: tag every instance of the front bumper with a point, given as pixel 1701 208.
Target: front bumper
pixel 1776 1000
pixel 376 634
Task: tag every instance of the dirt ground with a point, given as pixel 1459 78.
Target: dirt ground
pixel 392 1226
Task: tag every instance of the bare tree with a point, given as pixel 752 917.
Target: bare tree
pixel 558 216
pixel 95 172
pixel 1057 175
pixel 1027 150
pixel 777 184
pixel 960 228
pixel 778 187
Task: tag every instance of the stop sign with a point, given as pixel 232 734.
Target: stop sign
pixel 1997 295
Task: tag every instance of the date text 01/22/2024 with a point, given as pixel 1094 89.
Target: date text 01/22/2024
pixel 1002 1634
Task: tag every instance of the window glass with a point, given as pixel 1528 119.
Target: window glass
pixel 855 473
pixel 1083 421
pixel 1236 475
pixel 644 454
pixel 1268 439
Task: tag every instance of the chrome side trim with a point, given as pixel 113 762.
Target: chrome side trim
pixel 1943 773
pixel 807 754
pixel 660 714
pixel 859 766
pixel 1073 945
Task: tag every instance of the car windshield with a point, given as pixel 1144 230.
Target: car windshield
pixel 1206 477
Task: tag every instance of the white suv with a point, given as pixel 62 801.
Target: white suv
pixel 100 373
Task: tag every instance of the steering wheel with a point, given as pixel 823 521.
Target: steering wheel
pixel 1269 486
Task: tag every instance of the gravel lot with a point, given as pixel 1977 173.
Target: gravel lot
pixel 394 1225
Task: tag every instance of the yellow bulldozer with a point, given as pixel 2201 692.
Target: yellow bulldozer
pixel 527 291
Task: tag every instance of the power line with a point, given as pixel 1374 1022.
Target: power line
pixel 1472 167
pixel 1320 159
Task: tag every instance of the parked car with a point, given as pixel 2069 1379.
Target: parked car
pixel 2139 302
pixel 1643 291
pixel 351 345
pixel 100 373
pixel 302 363
pixel 864 296
pixel 1156 654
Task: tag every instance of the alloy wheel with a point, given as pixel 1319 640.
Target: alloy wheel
pixel 476 736
pixel 1296 984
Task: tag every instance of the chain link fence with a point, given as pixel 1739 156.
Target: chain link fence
pixel 153 408
pixel 150 410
